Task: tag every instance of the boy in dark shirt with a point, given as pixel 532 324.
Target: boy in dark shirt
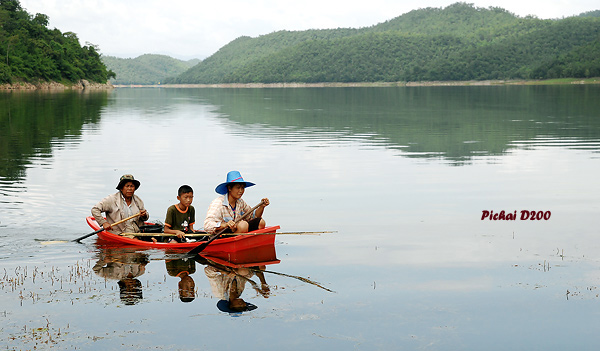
pixel 182 216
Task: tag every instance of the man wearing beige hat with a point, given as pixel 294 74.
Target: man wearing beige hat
pixel 121 205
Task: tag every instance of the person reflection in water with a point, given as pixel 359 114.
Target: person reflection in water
pixel 227 284
pixel 183 269
pixel 124 267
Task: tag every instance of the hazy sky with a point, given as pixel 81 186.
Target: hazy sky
pixel 196 29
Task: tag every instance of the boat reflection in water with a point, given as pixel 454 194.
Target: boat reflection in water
pixel 229 272
pixel 124 265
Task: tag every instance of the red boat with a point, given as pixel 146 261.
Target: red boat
pixel 258 256
pixel 265 236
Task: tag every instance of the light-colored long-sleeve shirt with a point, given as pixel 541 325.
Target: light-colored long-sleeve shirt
pixel 220 211
pixel 116 209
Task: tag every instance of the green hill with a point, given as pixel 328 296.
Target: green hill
pixel 32 53
pixel 146 69
pixel 459 42
pixel 245 49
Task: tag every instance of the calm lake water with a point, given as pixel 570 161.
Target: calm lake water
pixel 402 175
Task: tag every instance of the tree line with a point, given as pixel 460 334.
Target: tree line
pixel 459 42
pixel 31 52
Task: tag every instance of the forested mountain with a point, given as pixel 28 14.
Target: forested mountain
pixel 31 52
pixel 146 69
pixel 459 42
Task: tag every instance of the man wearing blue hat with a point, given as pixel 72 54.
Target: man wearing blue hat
pixel 225 209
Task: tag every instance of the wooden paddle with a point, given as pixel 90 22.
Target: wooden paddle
pixel 207 261
pixel 102 228
pixel 306 280
pixel 194 235
pixel 282 233
pixel 202 246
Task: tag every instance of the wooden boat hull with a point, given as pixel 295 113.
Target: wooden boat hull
pixel 258 256
pixel 224 244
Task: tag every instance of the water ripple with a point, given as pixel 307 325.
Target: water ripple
pixel 569 143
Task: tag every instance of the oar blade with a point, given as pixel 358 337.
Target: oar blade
pixel 198 249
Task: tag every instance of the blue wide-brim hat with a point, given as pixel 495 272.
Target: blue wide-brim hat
pixel 232 177
pixel 223 306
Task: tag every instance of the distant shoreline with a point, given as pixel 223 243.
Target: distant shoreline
pixel 82 85
pixel 562 81
pixel 54 86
